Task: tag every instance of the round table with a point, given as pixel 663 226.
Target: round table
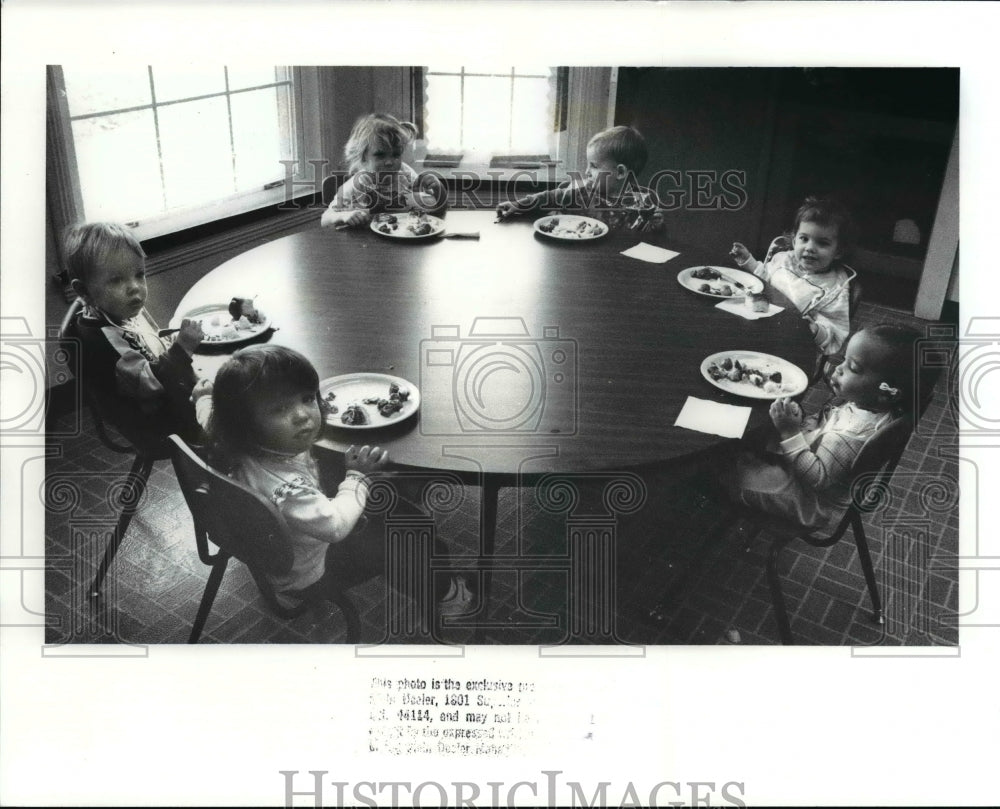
pixel 532 356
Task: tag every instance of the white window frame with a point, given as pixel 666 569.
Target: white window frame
pixel 590 108
pixel 66 199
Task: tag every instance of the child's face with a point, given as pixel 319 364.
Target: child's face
pixel 602 172
pixel 287 422
pixel 381 158
pixel 858 377
pixel 118 285
pixel 816 246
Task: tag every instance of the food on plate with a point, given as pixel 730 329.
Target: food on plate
pixel 760 374
pixel 244 307
pixel 414 223
pixel 570 228
pixel 326 404
pixel 706 274
pixel 354 415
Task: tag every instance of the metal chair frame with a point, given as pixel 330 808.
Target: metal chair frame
pixel 244 526
pixel 147 449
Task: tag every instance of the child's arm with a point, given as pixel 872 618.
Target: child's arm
pixel 561 197
pixel 744 258
pixel 830 322
pixel 137 377
pixel 331 519
pixel 348 208
pixel 428 191
pixel 829 464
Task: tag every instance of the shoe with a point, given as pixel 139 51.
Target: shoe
pixel 459 600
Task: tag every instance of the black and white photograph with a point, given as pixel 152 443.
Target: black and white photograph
pixel 475 431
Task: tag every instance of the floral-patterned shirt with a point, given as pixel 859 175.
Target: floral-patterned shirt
pixel 291 483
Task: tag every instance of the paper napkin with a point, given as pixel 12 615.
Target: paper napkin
pixel 740 308
pixel 647 252
pixel 729 421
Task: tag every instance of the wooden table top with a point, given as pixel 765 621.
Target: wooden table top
pixel 530 355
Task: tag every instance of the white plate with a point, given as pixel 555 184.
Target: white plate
pixel 221 310
pixel 751 282
pixel 793 378
pixel 566 228
pixel 355 388
pixel 402 225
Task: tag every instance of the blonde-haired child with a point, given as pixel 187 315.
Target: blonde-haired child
pixel 143 380
pixel 380 180
pixel 608 189
pixel 810 273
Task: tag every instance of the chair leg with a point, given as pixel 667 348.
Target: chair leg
pixel 137 479
pixel 777 596
pixel 211 588
pixel 861 541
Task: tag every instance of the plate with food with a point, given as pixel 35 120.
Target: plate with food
pixel 754 375
pixel 719 282
pixel 228 323
pixel 569 228
pixel 367 401
pixel 412 225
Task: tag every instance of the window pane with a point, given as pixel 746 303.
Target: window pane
pixel 197 152
pixel 184 82
pixel 257 137
pixel 443 112
pixel 118 166
pixel 486 116
pixel 531 119
pixel 95 89
pixel 240 77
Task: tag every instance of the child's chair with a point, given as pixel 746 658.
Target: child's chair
pixel 245 526
pixel 145 446
pixel 872 471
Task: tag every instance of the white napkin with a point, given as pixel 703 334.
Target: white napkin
pixel 705 416
pixel 647 252
pixel 741 308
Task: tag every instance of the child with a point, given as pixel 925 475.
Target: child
pixel 810 482
pixel 810 273
pixel 608 190
pixel 145 382
pixel 265 417
pixel 381 181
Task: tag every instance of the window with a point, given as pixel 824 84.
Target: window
pixel 486 112
pixel 155 146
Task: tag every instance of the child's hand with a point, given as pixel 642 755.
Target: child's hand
pixel 786 416
pixel 506 209
pixel 190 335
pixel 356 217
pixel 203 387
pixel 740 254
pixel 365 460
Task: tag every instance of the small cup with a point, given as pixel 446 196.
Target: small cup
pixel 758 302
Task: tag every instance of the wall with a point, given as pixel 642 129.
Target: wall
pixel 713 119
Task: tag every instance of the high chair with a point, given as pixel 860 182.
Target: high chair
pixel 244 526
pixel 145 446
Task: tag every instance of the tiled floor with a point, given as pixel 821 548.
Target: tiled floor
pixel 719 591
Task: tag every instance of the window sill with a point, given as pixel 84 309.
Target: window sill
pixel 186 219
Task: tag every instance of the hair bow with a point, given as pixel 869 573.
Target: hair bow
pixel 886 388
